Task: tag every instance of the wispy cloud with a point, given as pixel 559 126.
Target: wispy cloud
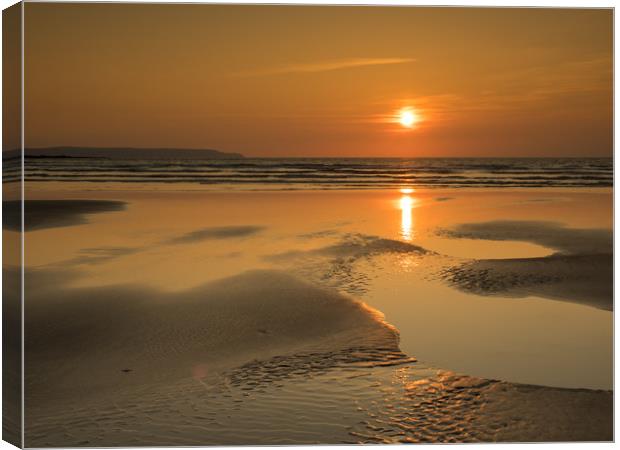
pixel 325 66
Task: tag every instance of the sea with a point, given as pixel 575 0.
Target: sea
pixel 322 173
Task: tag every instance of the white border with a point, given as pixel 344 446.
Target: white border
pixel 443 3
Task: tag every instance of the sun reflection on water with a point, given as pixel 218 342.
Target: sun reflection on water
pixel 406 205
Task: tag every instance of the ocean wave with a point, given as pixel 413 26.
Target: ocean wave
pixel 337 173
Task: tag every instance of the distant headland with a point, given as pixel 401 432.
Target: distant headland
pixel 122 153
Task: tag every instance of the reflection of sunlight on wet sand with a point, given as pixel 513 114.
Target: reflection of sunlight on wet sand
pixel 407 263
pixel 406 205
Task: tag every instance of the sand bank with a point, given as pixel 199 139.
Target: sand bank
pixel 448 407
pixel 41 214
pixel 581 269
pixel 227 323
pixel 113 365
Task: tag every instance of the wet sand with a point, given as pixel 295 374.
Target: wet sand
pixel 43 214
pixel 580 269
pixel 281 342
pixel 235 340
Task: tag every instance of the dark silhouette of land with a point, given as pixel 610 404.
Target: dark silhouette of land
pixel 121 153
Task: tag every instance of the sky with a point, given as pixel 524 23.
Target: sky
pixel 271 81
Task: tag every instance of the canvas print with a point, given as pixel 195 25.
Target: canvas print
pixel 304 224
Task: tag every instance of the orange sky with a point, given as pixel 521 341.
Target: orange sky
pixel 320 81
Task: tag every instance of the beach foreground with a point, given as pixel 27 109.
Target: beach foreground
pixel 224 228
pixel 248 319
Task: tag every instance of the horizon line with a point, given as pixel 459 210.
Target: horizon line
pixel 511 156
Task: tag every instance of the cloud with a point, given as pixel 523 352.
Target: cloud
pixel 325 66
pixel 216 233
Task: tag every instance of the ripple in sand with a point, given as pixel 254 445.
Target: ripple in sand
pixel 580 271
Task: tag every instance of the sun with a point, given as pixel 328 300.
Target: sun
pixel 408 118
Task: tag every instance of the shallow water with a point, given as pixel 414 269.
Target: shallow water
pixel 139 266
pixel 532 340
pixel 529 340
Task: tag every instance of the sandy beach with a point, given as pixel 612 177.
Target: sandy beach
pixel 249 323
pixel 237 230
